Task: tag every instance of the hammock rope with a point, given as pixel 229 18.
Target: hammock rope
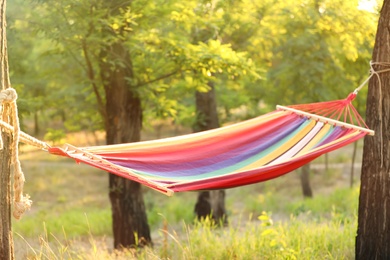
pixel 380 104
pixel 25 138
pixel 21 203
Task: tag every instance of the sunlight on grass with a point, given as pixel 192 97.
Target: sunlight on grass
pixel 260 239
pixel 321 229
pixel 294 239
pixel 71 221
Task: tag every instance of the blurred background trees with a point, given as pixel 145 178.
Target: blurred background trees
pixel 120 66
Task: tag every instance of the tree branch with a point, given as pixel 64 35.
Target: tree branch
pixel 91 76
pixel 159 78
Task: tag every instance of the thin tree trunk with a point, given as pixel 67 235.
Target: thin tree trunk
pixel 6 238
pixel 217 200
pixel 36 123
pixel 130 225
pixel 355 144
pixel 326 162
pixel 209 203
pixel 124 122
pixel 373 234
pixel 305 181
pixel 123 125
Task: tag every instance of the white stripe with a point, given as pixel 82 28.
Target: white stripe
pixel 302 143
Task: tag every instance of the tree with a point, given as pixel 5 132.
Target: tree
pixel 305 181
pixel 123 124
pixel 373 234
pixel 299 60
pixel 218 23
pixel 209 203
pixel 131 66
pixel 99 37
pixel 319 52
pixel 6 237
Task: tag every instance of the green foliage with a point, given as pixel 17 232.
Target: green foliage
pixel 170 57
pixel 321 55
pixel 55 136
pixel 309 50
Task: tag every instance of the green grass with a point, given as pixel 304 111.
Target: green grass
pixel 342 203
pixel 71 218
pixel 74 222
pixel 161 208
pixel 258 239
pixel 295 239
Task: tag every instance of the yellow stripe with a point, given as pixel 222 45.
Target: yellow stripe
pixel 186 138
pixel 281 149
pixel 324 130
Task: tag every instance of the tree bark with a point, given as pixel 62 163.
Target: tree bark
pixel 209 203
pixel 373 234
pixel 355 146
pixel 6 238
pixel 36 123
pixel 305 181
pixel 123 125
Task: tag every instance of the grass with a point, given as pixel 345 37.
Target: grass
pixel 72 222
pixel 295 239
pixel 260 238
pixel 71 218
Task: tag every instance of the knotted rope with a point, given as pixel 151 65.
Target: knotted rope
pixel 21 202
pixel 380 105
pixel 372 73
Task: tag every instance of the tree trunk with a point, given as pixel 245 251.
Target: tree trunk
pixel 209 203
pixel 36 123
pixel 355 146
pixel 305 181
pixel 6 238
pixel 123 125
pixel 326 162
pixel 373 234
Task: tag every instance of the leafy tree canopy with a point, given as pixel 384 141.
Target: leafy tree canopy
pixel 309 51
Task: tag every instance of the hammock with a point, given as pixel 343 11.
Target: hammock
pixel 252 151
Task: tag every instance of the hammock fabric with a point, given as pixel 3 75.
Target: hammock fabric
pixel 252 151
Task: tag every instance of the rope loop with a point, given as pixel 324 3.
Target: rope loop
pixel 8 95
pixel 21 203
pixel 376 73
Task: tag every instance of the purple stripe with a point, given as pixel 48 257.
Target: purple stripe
pixel 337 131
pixel 223 160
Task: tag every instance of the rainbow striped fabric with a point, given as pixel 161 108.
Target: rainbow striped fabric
pixel 248 152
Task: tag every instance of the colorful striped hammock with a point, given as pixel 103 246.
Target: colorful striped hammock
pixel 252 151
